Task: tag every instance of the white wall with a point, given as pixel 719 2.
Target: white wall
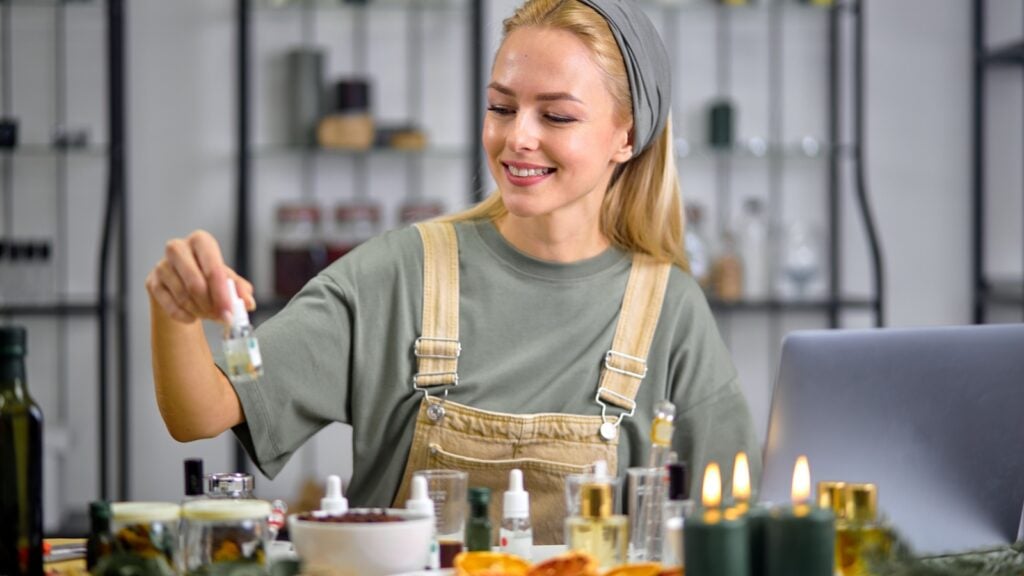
pixel 181 120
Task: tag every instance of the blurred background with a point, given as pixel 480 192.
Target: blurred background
pixel 844 164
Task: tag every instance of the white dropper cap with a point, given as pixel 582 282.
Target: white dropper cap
pixel 333 502
pixel 419 500
pixel 239 315
pixel 601 470
pixel 517 500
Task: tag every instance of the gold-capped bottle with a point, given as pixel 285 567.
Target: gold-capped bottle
pixel 596 530
pixel 860 536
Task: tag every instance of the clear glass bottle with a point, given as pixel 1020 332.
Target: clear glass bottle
pixel 677 508
pixel 754 253
pixel 478 529
pixel 516 534
pixel 697 248
pixel 596 530
pixel 241 349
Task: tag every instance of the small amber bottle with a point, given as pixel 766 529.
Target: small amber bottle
pixel 860 536
pixel 596 531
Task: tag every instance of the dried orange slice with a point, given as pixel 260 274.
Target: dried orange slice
pixel 572 563
pixel 489 564
pixel 636 569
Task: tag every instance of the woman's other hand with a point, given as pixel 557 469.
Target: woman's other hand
pixel 190 281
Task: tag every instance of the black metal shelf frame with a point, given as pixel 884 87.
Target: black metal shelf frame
pixel 246 151
pixel 986 292
pixel 113 252
pixel 843 149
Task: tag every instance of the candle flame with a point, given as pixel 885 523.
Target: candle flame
pixel 801 481
pixel 741 478
pixel 711 496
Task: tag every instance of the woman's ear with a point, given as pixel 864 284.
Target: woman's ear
pixel 625 150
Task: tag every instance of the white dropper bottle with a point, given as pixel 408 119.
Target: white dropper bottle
pixel 419 502
pixel 241 350
pixel 333 502
pixel 516 535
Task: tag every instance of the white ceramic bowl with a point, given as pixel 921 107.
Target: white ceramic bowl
pixel 362 548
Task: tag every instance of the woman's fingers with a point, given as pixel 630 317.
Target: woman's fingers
pixel 191 280
pixel 245 291
pixel 166 300
pixel 215 274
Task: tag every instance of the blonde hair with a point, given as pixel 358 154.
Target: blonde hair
pixel 643 209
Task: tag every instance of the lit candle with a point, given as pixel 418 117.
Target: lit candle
pixel 800 539
pixel 741 481
pixel 715 541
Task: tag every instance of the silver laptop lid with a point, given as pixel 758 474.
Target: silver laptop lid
pixel 933 416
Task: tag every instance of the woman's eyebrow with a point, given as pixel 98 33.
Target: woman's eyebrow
pixel 547 96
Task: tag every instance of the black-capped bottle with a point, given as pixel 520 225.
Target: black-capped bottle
pixel 21 462
pixel 101 539
pixel 478 529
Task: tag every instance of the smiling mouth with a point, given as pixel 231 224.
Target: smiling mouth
pixel 527 172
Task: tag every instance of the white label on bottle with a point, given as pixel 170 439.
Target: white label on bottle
pixel 254 354
pixel 518 542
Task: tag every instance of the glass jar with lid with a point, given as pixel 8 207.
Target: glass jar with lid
pixel 355 221
pixel 298 250
pixel 225 534
pixel 146 530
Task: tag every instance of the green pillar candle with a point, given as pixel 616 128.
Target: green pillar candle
pixel 716 543
pixel 757 517
pixel 800 541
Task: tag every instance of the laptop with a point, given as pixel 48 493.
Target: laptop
pixel 933 416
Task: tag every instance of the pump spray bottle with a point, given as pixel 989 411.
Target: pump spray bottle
pixel 516 535
pixel 241 350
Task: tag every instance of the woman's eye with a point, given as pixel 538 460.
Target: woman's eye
pixel 560 119
pixel 499 110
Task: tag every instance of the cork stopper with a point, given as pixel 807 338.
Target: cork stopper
pixel 861 502
pixel 596 500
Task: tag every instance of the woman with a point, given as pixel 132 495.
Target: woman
pixel 566 291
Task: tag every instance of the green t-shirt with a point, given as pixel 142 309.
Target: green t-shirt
pixel 534 334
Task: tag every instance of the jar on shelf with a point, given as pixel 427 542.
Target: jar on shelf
pixel 222 535
pixel 298 251
pixel 146 530
pixel 419 209
pixel 355 222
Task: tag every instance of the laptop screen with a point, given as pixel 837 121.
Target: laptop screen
pixel 933 416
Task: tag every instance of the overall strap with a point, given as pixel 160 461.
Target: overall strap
pixel 437 349
pixel 625 365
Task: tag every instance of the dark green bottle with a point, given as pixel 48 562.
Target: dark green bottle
pixel 101 539
pixel 21 463
pixel 478 529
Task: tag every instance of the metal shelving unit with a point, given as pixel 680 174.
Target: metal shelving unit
pixel 842 149
pixel 249 153
pixel 109 308
pixel 988 292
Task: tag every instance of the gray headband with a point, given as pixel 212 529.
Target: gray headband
pixel 647 66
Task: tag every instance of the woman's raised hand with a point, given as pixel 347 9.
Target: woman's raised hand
pixel 190 281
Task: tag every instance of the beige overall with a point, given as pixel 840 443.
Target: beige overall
pixel 546 447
